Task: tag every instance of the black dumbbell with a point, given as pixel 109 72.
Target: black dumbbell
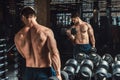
pixel 3 64
pixel 73 31
pixel 3 57
pixel 64 75
pixel 86 68
pixel 80 57
pixel 93 49
pixel 117 57
pixel 102 71
pixel 95 58
pixel 72 62
pixel 116 68
pixel 107 57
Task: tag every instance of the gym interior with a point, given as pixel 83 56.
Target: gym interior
pixel 104 17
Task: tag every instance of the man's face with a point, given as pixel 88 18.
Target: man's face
pixel 75 20
pixel 24 19
pixel 27 21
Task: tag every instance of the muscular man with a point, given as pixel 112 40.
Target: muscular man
pixel 82 35
pixel 37 45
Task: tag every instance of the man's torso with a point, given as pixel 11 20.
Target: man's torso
pixel 82 36
pixel 33 45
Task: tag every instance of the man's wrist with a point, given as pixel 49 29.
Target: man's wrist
pixel 57 72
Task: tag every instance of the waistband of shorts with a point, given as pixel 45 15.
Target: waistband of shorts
pixel 81 44
pixel 36 68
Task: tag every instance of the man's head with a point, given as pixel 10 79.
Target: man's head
pixel 27 14
pixel 75 18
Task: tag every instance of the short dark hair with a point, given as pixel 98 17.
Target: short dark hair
pixel 74 15
pixel 28 11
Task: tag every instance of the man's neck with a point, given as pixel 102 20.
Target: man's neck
pixel 32 24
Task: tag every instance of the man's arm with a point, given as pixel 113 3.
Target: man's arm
pixel 17 44
pixel 54 53
pixel 71 36
pixel 91 35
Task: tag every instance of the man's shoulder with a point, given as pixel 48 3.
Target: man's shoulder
pixel 45 29
pixel 18 34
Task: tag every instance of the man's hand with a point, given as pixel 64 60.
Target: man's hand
pixel 59 77
pixel 93 49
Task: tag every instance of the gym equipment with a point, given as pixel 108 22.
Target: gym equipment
pixel 116 68
pixel 73 31
pixel 102 70
pixel 70 68
pixel 80 57
pixel 64 75
pixel 3 64
pixel 86 68
pixel 93 49
pixel 117 57
pixel 95 58
pixel 3 59
pixel 72 62
pixel 53 78
pixel 108 58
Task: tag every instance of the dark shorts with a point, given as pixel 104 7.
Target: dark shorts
pixel 78 48
pixel 38 73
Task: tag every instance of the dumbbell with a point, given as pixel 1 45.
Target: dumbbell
pixel 6 78
pixel 3 64
pixel 116 68
pixel 53 78
pixel 117 57
pixel 80 57
pixel 2 45
pixel 71 66
pixel 93 49
pixel 3 57
pixel 73 31
pixel 3 72
pixel 3 51
pixel 95 58
pixel 64 75
pixel 107 57
pixel 2 39
pixel 102 71
pixel 86 68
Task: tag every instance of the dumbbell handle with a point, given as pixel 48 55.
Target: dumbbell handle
pixel 6 78
pixel 2 51
pixel 2 72
pixel 3 64
pixel 2 45
pixel 78 68
pixel 2 40
pixel 4 57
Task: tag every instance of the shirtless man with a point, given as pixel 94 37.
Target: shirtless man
pixel 37 45
pixel 83 37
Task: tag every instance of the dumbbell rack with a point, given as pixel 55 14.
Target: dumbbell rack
pixel 19 64
pixel 3 59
